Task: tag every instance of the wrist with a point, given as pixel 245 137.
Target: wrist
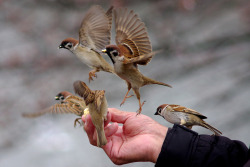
pixel 157 143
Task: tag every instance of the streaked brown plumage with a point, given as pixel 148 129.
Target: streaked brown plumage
pixel 177 114
pixel 133 48
pixel 68 104
pixel 131 35
pixel 94 35
pixel 98 108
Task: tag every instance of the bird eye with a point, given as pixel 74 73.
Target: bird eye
pixel 61 98
pixel 115 53
pixel 159 110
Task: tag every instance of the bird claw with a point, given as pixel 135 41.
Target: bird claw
pixel 91 75
pixel 138 112
pixel 125 99
pixel 140 108
pixel 77 121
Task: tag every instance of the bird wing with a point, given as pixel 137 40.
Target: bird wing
pixel 83 90
pixel 109 14
pixel 179 108
pixel 57 108
pixel 99 95
pixel 131 33
pixel 140 59
pixel 95 28
pixel 76 99
pixel 67 108
pixel 78 102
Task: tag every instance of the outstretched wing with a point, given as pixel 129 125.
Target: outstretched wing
pixel 95 28
pixel 57 108
pixel 131 33
pixel 75 100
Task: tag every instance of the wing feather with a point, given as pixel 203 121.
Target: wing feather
pixel 187 110
pixel 95 28
pixel 140 59
pixel 132 33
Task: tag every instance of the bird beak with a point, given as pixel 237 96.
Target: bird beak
pixel 59 47
pixel 56 98
pixel 156 113
pixel 104 51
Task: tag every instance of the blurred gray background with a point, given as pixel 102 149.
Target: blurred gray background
pixel 206 59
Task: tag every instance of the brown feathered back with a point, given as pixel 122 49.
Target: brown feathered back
pixel 83 90
pixel 131 34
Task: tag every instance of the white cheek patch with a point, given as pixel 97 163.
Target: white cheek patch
pixel 121 58
pixel 74 48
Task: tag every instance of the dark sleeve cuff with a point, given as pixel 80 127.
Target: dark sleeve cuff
pixel 184 147
pixel 177 147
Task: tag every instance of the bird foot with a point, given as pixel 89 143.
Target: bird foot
pixel 123 101
pixel 91 75
pixel 140 108
pixel 77 121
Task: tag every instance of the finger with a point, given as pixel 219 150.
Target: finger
pixel 89 128
pixel 84 118
pixel 111 129
pixel 120 116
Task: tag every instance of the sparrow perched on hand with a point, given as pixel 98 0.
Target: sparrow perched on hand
pixel 98 108
pixel 94 35
pixel 133 48
pixel 177 114
pixel 68 104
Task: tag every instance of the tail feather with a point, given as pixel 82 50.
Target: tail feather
pixel 148 81
pixel 101 138
pixel 213 129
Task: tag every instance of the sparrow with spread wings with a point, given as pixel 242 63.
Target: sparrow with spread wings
pixel 68 104
pixel 133 48
pixel 94 35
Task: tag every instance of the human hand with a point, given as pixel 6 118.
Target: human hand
pixel 140 138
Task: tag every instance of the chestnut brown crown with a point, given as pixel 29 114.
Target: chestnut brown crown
pixel 159 109
pixel 68 43
pixel 62 95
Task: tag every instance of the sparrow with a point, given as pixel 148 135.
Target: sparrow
pixel 94 35
pixel 132 48
pixel 68 104
pixel 98 108
pixel 177 114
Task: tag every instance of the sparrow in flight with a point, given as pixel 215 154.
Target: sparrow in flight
pixel 68 104
pixel 132 48
pixel 94 35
